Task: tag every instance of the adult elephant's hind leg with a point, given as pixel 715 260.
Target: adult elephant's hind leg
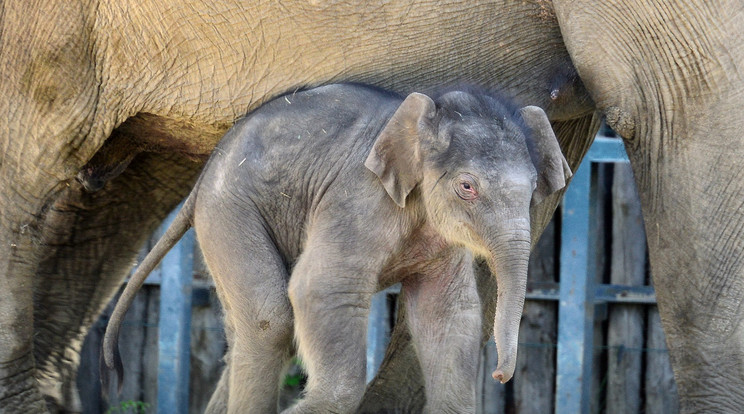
pixel 48 98
pixel 251 278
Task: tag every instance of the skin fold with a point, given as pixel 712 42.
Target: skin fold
pixel 298 235
pixel 666 74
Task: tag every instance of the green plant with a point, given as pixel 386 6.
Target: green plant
pixel 295 375
pixel 129 406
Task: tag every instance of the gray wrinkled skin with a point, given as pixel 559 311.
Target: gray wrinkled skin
pixel 320 198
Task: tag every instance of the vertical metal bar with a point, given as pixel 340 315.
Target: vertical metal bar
pixel 576 308
pixel 175 326
pixel 378 333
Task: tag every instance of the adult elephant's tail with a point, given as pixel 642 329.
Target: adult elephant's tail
pixel 110 357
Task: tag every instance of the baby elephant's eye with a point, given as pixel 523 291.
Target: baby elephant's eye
pixel 466 189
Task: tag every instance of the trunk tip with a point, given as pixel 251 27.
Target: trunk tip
pixel 499 376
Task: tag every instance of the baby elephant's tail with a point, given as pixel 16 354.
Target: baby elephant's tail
pixel 110 357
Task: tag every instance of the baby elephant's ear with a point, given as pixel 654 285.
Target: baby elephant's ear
pixel 553 171
pixel 396 154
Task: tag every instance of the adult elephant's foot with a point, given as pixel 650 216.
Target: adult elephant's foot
pixel 18 390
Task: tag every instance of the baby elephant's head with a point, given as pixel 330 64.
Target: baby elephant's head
pixel 478 165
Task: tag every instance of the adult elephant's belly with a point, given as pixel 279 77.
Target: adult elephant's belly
pixel 162 134
pixel 207 64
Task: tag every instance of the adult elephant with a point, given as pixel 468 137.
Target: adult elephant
pixel 152 87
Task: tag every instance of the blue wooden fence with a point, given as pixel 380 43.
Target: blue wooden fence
pixel 577 295
pixel 174 335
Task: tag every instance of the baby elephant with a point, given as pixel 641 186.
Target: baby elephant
pixel 318 199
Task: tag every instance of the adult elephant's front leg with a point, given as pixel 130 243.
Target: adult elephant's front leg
pixel 693 207
pixel 94 239
pixel 669 77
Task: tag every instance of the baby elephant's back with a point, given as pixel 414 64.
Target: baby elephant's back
pixel 281 159
pixel 300 136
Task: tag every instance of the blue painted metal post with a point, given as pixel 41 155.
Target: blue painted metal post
pixel 175 326
pixel 379 327
pixel 576 306
pixel 606 150
pixel 378 333
pixel 577 285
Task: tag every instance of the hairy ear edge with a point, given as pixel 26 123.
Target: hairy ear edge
pixel 553 171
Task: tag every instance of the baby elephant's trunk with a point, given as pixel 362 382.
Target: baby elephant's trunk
pixel 509 264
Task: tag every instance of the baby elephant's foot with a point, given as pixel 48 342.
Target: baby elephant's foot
pixel 310 405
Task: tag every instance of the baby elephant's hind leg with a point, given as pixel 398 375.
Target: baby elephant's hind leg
pixel 251 282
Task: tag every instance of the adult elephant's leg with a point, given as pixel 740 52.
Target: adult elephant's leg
pixel 50 127
pixel 398 387
pixel 668 75
pixel 693 208
pixel 93 240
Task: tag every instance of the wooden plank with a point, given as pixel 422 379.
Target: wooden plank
pixel 599 219
pixel 131 345
pixel 625 294
pixel 597 389
pixel 626 322
pixel 150 352
pixel 88 379
pixel 661 391
pixel 576 309
pixel 605 149
pixel 207 349
pixel 602 293
pixel 534 379
pixel 490 394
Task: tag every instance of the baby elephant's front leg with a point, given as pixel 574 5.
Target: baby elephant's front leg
pixel 444 316
pixel 330 296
